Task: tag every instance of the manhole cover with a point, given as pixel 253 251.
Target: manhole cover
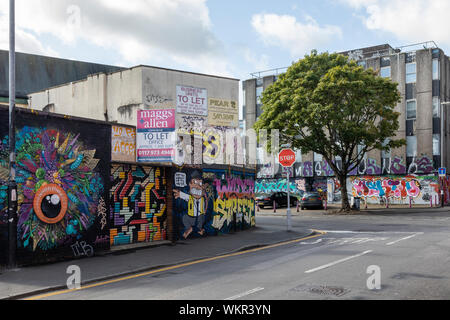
pixel 323 290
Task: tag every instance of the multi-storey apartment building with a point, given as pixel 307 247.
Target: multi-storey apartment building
pixel 423 75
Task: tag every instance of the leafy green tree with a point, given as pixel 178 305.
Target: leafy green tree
pixel 327 104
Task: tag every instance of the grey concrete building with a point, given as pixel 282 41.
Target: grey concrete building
pixel 118 96
pixel 35 73
pixel 422 72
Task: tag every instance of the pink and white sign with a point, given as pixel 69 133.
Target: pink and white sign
pixel 192 101
pixel 155 137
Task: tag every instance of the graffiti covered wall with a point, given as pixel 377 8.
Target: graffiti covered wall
pixel 4 173
pixel 297 186
pixel 138 204
pixel 62 179
pixel 212 202
pixel 369 167
pixel 420 189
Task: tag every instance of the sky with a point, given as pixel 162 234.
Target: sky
pixel 221 37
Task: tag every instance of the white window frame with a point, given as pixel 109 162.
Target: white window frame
pixel 411 73
pixel 438 69
pixel 385 68
pixel 408 101
pixel 408 143
pixel 438 100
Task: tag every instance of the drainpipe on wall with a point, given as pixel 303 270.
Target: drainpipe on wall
pixel 105 97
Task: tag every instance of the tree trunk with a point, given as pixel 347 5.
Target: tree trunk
pixel 344 195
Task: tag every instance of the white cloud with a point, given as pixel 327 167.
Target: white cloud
pixel 258 62
pixel 297 37
pixel 414 20
pixel 159 31
pixel 24 41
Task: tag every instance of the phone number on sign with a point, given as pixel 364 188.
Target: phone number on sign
pixel 156 153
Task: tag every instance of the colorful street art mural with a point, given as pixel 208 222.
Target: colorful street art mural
pixel 138 204
pixel 58 185
pixel 269 186
pixel 4 174
pixel 420 189
pixel 61 181
pixel 212 202
pixel 369 167
pixel 297 186
pixel 333 190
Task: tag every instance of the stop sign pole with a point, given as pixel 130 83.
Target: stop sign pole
pixel 287 160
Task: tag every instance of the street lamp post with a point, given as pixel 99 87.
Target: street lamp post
pixel 12 187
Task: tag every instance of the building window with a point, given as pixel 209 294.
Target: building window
pixel 436 53
pixel 411 146
pixel 318 157
pixel 259 82
pixel 298 156
pixel 362 63
pixel 385 72
pixel 259 110
pixel 411 109
pixel 436 107
pixel 259 91
pixel 410 57
pixel 385 62
pixel 436 144
pixel 385 154
pixel 436 70
pixel 411 74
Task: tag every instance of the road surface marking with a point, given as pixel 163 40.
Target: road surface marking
pixel 319 234
pixel 247 293
pixel 314 242
pixel 403 239
pixel 365 232
pixel 337 262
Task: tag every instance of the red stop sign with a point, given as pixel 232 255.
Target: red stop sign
pixel 287 158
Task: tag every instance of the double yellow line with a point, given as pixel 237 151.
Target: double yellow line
pixel 98 284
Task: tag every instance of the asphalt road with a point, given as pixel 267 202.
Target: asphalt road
pixel 411 251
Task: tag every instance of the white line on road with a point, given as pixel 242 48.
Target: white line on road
pixel 245 294
pixel 403 239
pixel 365 232
pixel 337 262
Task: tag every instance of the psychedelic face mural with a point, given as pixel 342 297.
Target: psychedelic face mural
pixel 59 188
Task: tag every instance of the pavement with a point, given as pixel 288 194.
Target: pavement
pixel 29 281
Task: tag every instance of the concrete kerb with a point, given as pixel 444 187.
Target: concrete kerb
pixel 147 269
pixel 362 212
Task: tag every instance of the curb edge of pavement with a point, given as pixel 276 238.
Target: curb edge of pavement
pixel 141 270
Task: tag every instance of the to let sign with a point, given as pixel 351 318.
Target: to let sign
pixel 193 101
pixel 155 140
pixel 287 158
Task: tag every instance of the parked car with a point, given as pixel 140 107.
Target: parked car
pixel 311 200
pixel 280 199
